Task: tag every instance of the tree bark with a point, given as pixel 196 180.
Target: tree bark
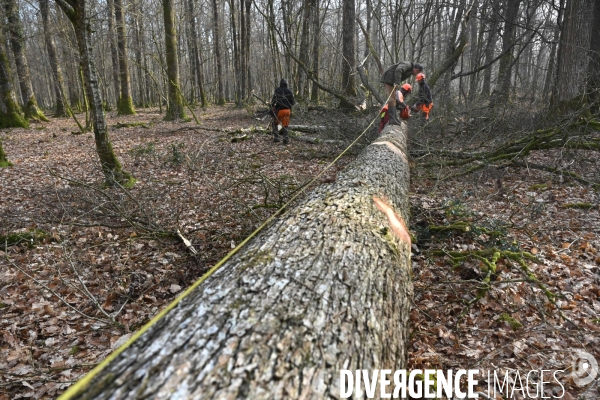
pixel 304 45
pixel 57 76
pixel 192 49
pixel 348 52
pixel 247 86
pixel 125 103
pixel 12 116
pixel 549 79
pixel 327 287
pixel 218 58
pixel 502 89
pixel 113 50
pixel 486 88
pixel 77 12
pixel 238 63
pixel 572 67
pixel 453 52
pixel 197 51
pixel 175 109
pixel 17 43
pixel 316 23
pixel 138 33
pixel 594 67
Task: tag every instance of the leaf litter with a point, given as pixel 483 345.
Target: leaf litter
pixel 103 261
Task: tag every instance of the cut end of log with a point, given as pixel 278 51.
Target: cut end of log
pixel 396 222
pixel 393 148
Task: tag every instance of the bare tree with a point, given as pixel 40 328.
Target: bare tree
pixel 113 49
pixel 594 67
pixel 175 108
pixel 62 109
pixel 12 116
pixel 125 102
pixel 17 43
pixel 502 89
pixel 218 58
pixel 573 52
pixel 348 52
pixel 78 13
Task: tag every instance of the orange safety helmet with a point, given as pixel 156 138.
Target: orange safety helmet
pixel 420 76
pixel 407 87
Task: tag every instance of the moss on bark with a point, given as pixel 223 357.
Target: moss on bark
pixel 13 118
pixel 125 106
pixel 3 161
pixel 33 111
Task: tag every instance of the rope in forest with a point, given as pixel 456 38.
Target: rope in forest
pixel 83 382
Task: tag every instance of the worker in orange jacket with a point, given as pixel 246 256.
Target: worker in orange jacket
pixel 400 106
pixel 392 77
pixel 425 101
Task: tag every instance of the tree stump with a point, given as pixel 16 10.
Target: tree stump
pixel 326 287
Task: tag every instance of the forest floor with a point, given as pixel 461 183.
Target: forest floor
pixel 91 265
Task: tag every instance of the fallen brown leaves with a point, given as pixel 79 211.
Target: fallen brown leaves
pixel 515 325
pixel 109 258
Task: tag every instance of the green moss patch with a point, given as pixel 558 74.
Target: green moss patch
pixel 538 186
pixel 513 322
pixel 28 238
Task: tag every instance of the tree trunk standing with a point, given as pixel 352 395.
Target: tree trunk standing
pixel 175 109
pixel 17 43
pixel 218 58
pixel 139 55
pixel 348 52
pixel 247 86
pixel 197 64
pixel 286 18
pixel 76 11
pixel 149 89
pixel 304 44
pixel 316 30
pixel 486 87
pixel 453 50
pixel 191 53
pixel 242 64
pixel 474 51
pixel 594 67
pixel 237 57
pixel 273 40
pixel 536 71
pixel 13 116
pixel 326 287
pixel 125 103
pixel 502 89
pixel 113 50
pixel 573 52
pixel 57 76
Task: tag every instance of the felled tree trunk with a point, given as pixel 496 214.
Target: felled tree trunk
pixel 327 287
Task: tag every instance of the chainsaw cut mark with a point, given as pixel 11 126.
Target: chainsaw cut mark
pixel 394 148
pixel 396 222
